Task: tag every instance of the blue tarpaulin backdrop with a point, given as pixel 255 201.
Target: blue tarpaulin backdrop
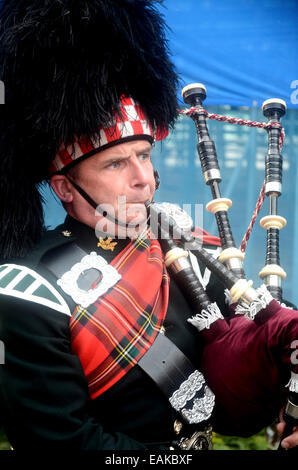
pixel 244 51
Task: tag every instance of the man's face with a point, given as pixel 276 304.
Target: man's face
pixel 120 179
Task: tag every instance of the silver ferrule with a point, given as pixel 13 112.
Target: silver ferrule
pixel 180 264
pixel 292 410
pixel 211 175
pixel 273 280
pixel 234 263
pixel 273 187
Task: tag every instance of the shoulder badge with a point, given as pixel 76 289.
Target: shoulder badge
pixel 181 217
pixel 24 283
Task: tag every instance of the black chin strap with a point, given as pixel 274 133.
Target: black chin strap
pixel 84 195
pixel 97 207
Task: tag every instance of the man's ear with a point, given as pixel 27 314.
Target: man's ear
pixel 62 187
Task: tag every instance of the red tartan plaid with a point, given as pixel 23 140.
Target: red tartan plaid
pixel 112 335
pixel 131 124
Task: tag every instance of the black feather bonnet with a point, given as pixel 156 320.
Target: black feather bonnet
pixel 64 65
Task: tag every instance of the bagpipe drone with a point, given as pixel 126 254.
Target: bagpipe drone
pixel 248 358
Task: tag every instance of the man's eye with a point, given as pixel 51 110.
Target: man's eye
pixel 115 164
pixel 144 156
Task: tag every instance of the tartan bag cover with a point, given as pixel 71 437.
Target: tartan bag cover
pixel 111 335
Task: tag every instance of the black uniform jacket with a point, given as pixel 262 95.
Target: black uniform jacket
pixel 43 390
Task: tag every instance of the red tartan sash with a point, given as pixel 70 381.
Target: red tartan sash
pixel 112 335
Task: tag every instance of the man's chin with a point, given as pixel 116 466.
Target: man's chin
pixel 128 222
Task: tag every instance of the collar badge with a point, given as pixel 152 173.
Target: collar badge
pixel 107 243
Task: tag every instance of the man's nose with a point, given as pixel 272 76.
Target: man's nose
pixel 139 173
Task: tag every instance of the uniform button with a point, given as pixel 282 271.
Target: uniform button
pixel 66 233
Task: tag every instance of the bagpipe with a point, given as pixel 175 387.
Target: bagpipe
pixel 249 358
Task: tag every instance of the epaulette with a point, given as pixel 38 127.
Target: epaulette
pixel 23 283
pixel 20 280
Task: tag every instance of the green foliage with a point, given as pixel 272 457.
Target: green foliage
pixel 256 442
pixel 4 444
